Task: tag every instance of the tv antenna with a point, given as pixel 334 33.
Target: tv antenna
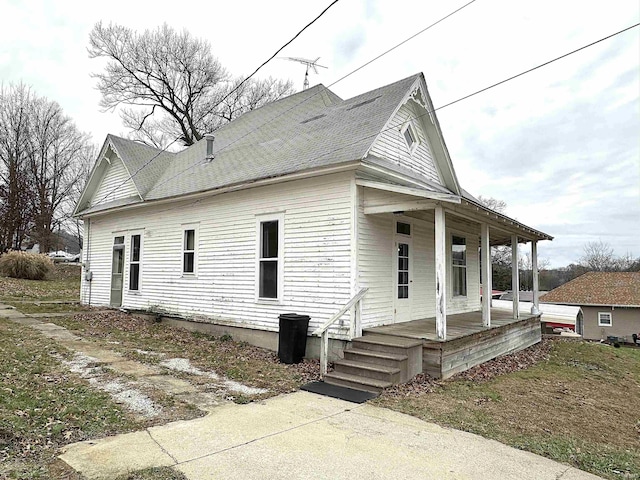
pixel 313 64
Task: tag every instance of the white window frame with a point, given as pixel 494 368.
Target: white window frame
pixel 260 219
pixel 414 134
pixel 132 262
pixel 605 314
pixel 183 250
pixel 453 267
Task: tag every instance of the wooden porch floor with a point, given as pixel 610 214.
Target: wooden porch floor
pixel 458 325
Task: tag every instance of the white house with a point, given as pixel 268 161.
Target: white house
pixel 296 207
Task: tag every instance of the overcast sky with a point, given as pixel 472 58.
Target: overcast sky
pixel 560 145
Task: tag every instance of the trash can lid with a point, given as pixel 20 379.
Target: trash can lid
pixel 293 316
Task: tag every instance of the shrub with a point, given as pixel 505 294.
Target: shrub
pixel 31 266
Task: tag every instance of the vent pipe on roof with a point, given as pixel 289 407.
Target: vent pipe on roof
pixel 210 138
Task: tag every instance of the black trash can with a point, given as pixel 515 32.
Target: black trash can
pixel 292 337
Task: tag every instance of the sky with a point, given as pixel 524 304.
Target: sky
pixel 560 145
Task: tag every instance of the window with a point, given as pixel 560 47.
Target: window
pixel 189 251
pixel 403 270
pixel 403 228
pixel 134 264
pixel 269 268
pixel 604 319
pixel 410 137
pixel 459 265
pixel 269 259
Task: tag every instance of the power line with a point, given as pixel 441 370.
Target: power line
pixel 332 84
pixel 226 96
pixel 273 56
pixel 537 67
pixel 401 43
pixel 426 113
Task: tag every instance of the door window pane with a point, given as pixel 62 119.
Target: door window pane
pixel 403 270
pixel 459 265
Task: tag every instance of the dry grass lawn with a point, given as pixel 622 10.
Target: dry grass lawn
pixel 581 406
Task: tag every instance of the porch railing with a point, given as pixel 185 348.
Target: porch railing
pixel 354 327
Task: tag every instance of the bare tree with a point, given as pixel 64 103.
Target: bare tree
pixel 598 256
pixel 494 204
pixel 55 148
pixel 40 151
pixel 15 188
pixel 169 85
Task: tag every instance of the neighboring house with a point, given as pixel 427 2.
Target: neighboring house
pixel 294 207
pixel 609 303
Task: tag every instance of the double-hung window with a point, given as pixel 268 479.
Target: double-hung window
pixel 134 263
pixel 269 257
pixel 459 265
pixel 604 319
pixel 189 251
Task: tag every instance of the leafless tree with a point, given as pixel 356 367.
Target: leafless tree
pixel 15 188
pixel 499 206
pixel 56 148
pixel 598 256
pixel 40 153
pixel 168 85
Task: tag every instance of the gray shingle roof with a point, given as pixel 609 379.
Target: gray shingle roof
pixel 311 129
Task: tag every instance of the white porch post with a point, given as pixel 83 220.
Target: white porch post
pixel 535 309
pixel 441 276
pixel 487 286
pixel 515 277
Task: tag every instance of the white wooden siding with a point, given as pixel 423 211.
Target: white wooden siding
pixel 376 263
pixel 115 184
pixel 392 146
pixel 317 254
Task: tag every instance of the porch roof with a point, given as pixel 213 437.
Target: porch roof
pixel 414 196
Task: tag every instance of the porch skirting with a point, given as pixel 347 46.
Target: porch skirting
pixel 445 359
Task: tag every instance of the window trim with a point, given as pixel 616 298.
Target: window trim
pixel 260 219
pixel 465 266
pixel 133 262
pixel 185 228
pixel 414 134
pixel 602 314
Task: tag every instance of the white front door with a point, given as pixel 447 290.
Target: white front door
pixel 403 276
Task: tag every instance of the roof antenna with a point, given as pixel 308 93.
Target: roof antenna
pixel 309 63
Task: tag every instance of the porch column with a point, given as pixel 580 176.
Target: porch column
pixel 487 283
pixel 535 309
pixel 441 276
pixel 515 277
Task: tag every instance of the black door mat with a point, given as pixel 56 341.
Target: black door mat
pixel 336 391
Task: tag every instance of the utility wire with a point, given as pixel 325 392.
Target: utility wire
pixel 325 88
pixel 537 67
pixel 435 109
pixel 274 55
pixel 226 96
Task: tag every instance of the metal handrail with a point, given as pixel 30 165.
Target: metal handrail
pixel 323 330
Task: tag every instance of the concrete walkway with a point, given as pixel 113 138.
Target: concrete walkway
pixel 296 436
pixel 307 436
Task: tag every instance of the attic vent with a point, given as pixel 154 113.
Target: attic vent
pixel 313 118
pixel 357 105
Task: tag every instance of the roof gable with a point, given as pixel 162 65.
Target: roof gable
pixel 599 288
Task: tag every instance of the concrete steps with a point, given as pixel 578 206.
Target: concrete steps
pixel 374 362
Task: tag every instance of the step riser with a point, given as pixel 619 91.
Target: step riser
pixel 379 348
pixel 362 372
pixel 357 386
pixel 386 362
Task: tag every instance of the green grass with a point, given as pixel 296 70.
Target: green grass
pixel 38 307
pixel 580 407
pixel 159 473
pixel 43 406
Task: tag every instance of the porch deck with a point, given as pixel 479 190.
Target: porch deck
pixel 468 343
